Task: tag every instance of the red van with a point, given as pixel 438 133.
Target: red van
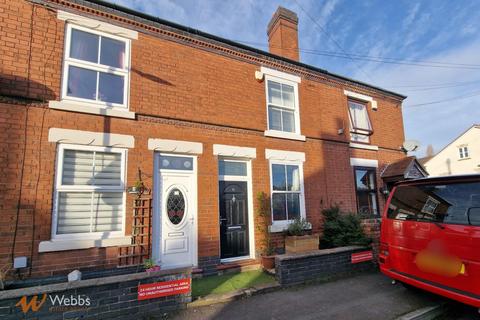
pixel 430 236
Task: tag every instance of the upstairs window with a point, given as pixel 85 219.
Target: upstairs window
pixel 463 152
pixel 96 67
pixel 281 106
pixel 360 126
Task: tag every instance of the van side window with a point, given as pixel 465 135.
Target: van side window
pixel 454 203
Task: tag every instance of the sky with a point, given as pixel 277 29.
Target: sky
pixel 428 50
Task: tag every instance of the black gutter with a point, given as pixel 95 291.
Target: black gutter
pixel 231 43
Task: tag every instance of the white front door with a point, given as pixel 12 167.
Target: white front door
pixel 176 212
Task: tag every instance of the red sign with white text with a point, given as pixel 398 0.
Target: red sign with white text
pixel 362 256
pixel 163 289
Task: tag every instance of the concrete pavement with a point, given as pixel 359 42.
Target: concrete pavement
pixel 366 296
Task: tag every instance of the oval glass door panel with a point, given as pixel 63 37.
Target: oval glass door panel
pixel 175 206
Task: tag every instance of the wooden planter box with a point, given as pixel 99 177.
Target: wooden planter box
pixel 299 244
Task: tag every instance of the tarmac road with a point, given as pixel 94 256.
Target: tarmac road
pixel 367 296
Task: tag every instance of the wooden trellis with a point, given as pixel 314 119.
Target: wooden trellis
pixel 135 253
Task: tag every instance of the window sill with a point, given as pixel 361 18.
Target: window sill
pixel 75 244
pixel 284 135
pixel 363 146
pixel 281 226
pixel 92 109
pixel 461 159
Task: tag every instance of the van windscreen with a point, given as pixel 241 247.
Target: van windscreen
pixel 453 203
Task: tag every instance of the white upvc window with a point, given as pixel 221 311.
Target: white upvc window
pixel 463 152
pixel 89 192
pixel 281 106
pixel 287 193
pixel 360 125
pixel 96 67
pixel 283 112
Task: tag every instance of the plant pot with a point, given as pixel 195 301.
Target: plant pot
pixel 133 190
pixel 268 262
pixel 301 244
pixel 153 269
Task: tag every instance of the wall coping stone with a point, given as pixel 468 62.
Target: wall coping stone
pixel 294 256
pixel 30 291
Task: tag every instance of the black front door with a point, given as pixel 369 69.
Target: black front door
pixel 233 219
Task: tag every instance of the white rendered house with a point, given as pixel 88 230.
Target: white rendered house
pixel 461 156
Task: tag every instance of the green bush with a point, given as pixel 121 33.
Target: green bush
pixel 299 227
pixel 342 229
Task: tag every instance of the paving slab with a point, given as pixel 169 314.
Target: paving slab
pixel 365 296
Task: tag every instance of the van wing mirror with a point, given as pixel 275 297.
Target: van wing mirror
pixel 473 215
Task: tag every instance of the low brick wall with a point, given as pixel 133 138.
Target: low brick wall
pixel 372 229
pixel 300 268
pixel 114 297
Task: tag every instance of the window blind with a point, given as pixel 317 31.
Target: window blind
pixel 84 212
pixel 90 197
pixel 91 168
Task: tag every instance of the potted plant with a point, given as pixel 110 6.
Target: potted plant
pixel 267 249
pixel 150 265
pixel 298 240
pixel 137 187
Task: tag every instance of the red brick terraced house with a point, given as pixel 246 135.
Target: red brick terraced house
pixel 98 100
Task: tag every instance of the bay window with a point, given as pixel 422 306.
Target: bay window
pixel 96 67
pixel 89 192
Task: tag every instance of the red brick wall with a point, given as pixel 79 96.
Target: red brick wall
pixel 207 96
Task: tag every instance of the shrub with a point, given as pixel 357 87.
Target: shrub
pixel 298 227
pixel 342 229
pixel 263 211
pixel 148 263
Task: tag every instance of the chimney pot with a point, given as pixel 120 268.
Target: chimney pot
pixel 282 34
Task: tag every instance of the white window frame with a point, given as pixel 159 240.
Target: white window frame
pixel 246 177
pixel 291 80
pixel 356 134
pixel 430 206
pixel 66 188
pixel 464 153
pixel 280 225
pixel 67 61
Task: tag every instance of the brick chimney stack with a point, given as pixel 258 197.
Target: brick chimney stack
pixel 282 34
